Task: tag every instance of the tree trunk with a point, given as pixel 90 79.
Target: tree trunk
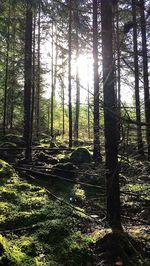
pixel 52 85
pixel 118 72
pixel 96 154
pixel 88 111
pixel 137 96
pixel 38 74
pixel 33 73
pixel 69 75
pixel 111 146
pixel 56 59
pixel 6 72
pixel 28 83
pixel 76 126
pixel 13 70
pixel 145 74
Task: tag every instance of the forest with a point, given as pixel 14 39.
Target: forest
pixel 74 132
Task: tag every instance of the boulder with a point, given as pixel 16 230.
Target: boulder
pixel 65 169
pixel 80 155
pixel 43 157
pixel 16 139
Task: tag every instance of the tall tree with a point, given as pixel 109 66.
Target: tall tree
pixel 38 89
pixel 136 74
pixel 6 71
pixel 33 71
pixel 52 84
pixel 69 73
pixel 76 125
pixel 28 82
pixel 96 84
pixel 118 68
pixel 145 73
pixel 111 146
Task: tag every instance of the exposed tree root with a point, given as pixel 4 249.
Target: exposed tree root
pixel 118 248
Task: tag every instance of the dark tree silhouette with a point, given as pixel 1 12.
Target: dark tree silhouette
pixel 28 82
pixel 113 190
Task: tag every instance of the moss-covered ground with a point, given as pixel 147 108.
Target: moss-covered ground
pixel 36 229
pixel 52 222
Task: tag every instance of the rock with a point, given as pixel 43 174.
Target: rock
pixel 80 155
pixel 43 157
pixel 15 139
pixel 8 145
pixel 65 169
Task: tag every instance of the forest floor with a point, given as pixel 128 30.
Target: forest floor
pixel 52 211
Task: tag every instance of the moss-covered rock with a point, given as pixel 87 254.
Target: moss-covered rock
pixel 80 155
pixel 8 145
pixel 65 169
pixel 6 170
pixel 43 157
pixel 12 138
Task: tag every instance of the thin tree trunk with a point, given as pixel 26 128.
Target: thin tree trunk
pixel 96 153
pixel 13 72
pixel 6 71
pixel 88 111
pixel 63 101
pixel 38 74
pixel 76 126
pixel 69 75
pixel 145 74
pixel 111 139
pixel 56 60
pixel 118 72
pixel 28 83
pixel 33 73
pixel 52 85
pixel 88 104
pixel 136 66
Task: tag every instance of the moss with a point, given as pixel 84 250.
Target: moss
pixel 52 239
pixel 11 255
pixel 6 170
pixel 79 193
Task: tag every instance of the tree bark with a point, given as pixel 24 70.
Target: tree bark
pixel 76 126
pixel 111 132
pixel 118 72
pixel 137 95
pixel 38 74
pixel 28 83
pixel 96 153
pixel 6 71
pixel 52 85
pixel 33 73
pixel 145 74
pixel 69 74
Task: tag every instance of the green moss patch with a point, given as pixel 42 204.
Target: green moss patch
pixel 37 229
pixel 6 170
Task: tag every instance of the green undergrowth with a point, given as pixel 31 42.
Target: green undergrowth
pixel 36 229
